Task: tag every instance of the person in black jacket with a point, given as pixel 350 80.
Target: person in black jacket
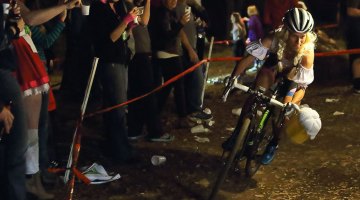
pixel 166 34
pixel 12 117
pixel 110 22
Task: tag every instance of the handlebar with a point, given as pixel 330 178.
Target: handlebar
pixel 258 93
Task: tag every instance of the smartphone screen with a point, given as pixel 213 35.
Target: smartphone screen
pixel 188 9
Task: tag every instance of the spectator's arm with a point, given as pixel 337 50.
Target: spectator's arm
pixel 185 42
pixel 46 40
pixel 146 16
pixel 41 16
pixel 353 12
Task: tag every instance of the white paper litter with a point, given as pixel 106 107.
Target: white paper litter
pixel 331 100
pixel 230 129
pixel 201 139
pixel 338 113
pixel 98 175
pixel 236 111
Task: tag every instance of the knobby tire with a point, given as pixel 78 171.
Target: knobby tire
pixel 230 159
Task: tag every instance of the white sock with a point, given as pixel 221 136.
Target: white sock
pixel 32 152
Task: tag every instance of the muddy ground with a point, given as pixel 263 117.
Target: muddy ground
pixel 325 168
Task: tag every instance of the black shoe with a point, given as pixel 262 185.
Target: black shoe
pixel 200 116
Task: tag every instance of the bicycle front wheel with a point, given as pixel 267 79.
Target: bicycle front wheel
pixel 261 140
pixel 230 159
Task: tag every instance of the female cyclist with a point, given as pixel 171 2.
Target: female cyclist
pixel 289 54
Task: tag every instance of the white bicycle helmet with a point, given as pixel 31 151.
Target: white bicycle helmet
pixel 298 20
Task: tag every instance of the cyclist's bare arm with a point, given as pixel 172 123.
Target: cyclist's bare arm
pixel 307 61
pixel 248 60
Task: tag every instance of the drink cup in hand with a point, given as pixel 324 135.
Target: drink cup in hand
pixel 85 9
pixel 6 8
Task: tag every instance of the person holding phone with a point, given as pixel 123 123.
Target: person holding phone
pixel 166 34
pixel 194 81
pixel 110 22
pixel 145 112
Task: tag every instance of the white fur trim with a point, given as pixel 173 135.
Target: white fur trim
pixel 37 90
pixel 311 121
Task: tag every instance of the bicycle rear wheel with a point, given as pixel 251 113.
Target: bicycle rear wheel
pixel 230 159
pixel 261 140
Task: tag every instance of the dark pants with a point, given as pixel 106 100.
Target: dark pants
pixel 238 49
pixel 114 79
pixel 13 145
pixel 194 83
pixel 44 133
pixel 144 111
pixel 168 68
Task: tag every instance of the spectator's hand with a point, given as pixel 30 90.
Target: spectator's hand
pixel 247 42
pixel 131 15
pixel 15 9
pixel 7 118
pixel 193 56
pixel 63 15
pixel 72 4
pixel 20 24
pixel 185 18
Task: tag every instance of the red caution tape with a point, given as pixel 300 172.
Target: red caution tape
pixel 226 42
pixel 328 26
pixel 168 82
pixel 338 53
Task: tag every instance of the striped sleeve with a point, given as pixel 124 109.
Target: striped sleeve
pixel 45 40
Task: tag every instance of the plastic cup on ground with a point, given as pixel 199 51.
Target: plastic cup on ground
pixel 85 9
pixel 157 160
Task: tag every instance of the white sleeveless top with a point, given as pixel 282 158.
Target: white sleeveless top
pixel 303 77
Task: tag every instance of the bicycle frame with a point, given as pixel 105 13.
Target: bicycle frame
pixel 247 130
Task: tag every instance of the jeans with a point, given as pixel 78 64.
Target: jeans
pixel 114 79
pixel 145 111
pixel 194 85
pixel 168 68
pixel 13 145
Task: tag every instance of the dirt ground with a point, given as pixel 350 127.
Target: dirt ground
pixel 327 167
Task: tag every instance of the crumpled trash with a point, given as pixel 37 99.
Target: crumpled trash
pixel 210 123
pixel 199 129
pixel 331 100
pixel 201 139
pixel 338 113
pixel 230 129
pixel 98 175
pixel 236 111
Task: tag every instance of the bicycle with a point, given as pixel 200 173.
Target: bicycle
pixel 252 133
